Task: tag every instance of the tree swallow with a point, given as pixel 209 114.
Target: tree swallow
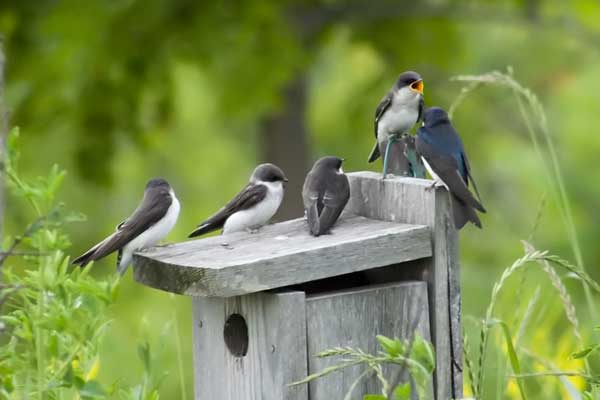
pixel 149 224
pixel 444 157
pixel 252 207
pixel 397 112
pixel 325 194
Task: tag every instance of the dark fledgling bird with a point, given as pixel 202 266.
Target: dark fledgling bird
pixel 444 157
pixel 398 111
pixel 325 194
pixel 151 221
pixel 252 207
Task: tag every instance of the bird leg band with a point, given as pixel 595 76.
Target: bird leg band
pixel 391 140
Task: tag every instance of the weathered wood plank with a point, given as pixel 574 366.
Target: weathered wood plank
pixel 276 349
pixel 279 255
pixel 412 201
pixel 354 318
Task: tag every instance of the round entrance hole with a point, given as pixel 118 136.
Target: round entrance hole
pixel 235 334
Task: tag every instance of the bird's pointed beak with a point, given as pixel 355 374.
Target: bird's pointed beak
pixel 286 180
pixel 417 86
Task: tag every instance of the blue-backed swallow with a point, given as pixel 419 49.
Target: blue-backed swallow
pixel 444 157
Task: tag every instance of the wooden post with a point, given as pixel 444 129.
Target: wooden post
pixel 393 310
pixel 265 303
pixel 250 347
pixel 413 201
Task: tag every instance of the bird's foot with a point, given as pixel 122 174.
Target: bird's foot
pixel 434 185
pixel 252 231
pixel 226 246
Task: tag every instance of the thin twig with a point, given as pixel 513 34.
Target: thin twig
pixel 28 232
pixel 24 253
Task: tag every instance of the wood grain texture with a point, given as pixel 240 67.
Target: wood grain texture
pixel 412 201
pixel 276 348
pixel 354 318
pixel 279 255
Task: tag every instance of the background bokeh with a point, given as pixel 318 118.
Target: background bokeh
pixel 118 92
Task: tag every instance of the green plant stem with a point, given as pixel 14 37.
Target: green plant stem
pixel 355 384
pixel 38 347
pixel 555 178
pixel 562 196
pixel 469 365
pixel 519 263
pixel 552 374
pixel 19 183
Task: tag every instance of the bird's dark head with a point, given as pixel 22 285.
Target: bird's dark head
pixel 268 173
pixel 330 162
pixel 435 116
pixel 411 80
pixel 157 183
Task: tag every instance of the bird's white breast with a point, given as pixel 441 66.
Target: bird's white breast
pixel 435 177
pixel 400 116
pixel 260 214
pixel 154 234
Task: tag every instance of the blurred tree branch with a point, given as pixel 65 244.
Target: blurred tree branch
pixel 284 141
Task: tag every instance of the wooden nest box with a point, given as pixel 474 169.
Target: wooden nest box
pixel 267 302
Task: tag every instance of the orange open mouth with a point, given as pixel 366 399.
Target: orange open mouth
pixel 417 86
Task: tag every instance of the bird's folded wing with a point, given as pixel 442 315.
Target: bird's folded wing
pixel 470 177
pixel 248 197
pixel 384 104
pixel 446 167
pixel 154 206
pixel 334 201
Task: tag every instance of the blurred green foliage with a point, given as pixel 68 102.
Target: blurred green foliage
pixel 54 318
pixel 119 91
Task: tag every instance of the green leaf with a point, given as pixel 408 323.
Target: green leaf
pixel 402 392
pixel 393 347
pixel 7 384
pixel 144 354
pixel 374 397
pixel 584 353
pixel 69 377
pixel 422 351
pixel 512 354
pixel 92 390
pixel 12 147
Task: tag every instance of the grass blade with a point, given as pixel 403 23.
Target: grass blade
pixel 512 354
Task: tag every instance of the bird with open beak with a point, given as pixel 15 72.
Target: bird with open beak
pixel 398 111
